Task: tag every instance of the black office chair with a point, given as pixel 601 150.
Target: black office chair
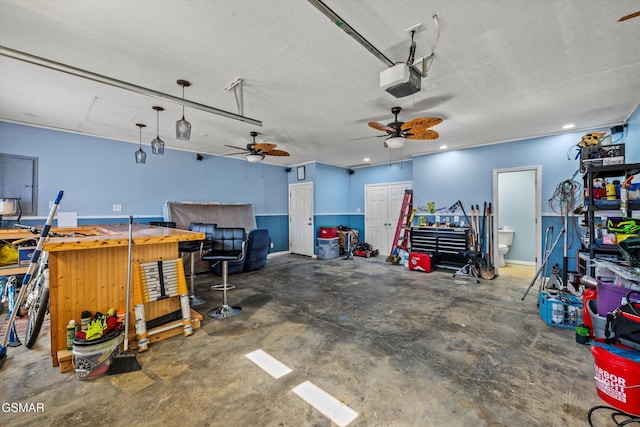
pixel 227 244
pixel 190 247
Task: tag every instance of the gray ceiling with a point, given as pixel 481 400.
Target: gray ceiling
pixel 502 71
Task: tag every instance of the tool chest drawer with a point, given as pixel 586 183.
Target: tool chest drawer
pixel 445 242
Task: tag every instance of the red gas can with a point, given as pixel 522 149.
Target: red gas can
pixel 421 262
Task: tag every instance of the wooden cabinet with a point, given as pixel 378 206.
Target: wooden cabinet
pixel 90 273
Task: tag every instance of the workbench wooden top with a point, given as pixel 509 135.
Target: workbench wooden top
pixel 108 235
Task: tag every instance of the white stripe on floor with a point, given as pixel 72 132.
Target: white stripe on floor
pixel 331 407
pixel 268 363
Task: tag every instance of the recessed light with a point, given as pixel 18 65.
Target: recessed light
pixel 366 159
pixel 442 147
pixel 568 126
pixel 204 134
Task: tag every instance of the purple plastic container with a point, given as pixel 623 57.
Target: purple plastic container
pixel 609 297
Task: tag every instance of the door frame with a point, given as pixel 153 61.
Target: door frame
pixel 538 211
pixel 310 249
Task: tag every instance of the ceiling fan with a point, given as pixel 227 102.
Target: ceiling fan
pixel 398 131
pixel 258 150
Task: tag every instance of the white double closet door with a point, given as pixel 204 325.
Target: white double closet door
pixel 383 203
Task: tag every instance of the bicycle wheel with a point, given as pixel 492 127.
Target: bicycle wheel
pixel 37 309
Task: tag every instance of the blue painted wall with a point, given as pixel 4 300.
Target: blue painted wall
pixel 96 173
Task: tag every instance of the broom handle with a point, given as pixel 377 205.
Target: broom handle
pixel 126 315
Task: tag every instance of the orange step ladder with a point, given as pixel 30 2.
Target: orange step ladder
pixel 403 227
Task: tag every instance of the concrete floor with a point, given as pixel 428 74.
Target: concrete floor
pixel 398 347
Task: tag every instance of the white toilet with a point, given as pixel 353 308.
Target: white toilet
pixel 505 239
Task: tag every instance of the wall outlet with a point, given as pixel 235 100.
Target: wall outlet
pixel 271 245
pixel 437 218
pixel 456 218
pixel 117 208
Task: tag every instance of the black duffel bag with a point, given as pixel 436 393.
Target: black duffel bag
pixel 624 323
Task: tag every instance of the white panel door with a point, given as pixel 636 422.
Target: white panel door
pixel 301 235
pixel 376 225
pixel 382 211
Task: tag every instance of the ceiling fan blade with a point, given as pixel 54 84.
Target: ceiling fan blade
pixel 380 126
pixel 237 148
pixel 631 15
pixel 421 122
pixel 369 137
pixel 264 147
pixel 424 135
pixel 233 154
pixel 276 153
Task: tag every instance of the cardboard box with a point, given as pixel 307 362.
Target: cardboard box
pixel 341 234
pixel 24 254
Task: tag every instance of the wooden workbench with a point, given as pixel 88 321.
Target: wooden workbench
pixel 90 272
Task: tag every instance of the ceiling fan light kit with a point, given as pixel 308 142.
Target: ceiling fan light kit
pixel 157 145
pixel 183 127
pixel 395 142
pixel 141 156
pixel 254 158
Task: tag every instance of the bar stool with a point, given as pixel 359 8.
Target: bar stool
pixel 193 246
pixel 227 244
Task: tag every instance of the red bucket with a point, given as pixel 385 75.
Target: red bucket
pixel 617 379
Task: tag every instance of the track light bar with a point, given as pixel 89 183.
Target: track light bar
pixel 349 30
pixel 57 66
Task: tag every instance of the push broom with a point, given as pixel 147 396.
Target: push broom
pixel 126 361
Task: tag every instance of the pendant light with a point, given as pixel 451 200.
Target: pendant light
pixel 141 156
pixel 183 127
pixel 157 145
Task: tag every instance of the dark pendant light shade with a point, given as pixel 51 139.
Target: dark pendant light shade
pixel 157 145
pixel 183 127
pixel 141 156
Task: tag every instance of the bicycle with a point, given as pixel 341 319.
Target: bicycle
pixel 36 302
pixel 28 279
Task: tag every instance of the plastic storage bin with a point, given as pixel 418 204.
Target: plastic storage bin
pixel 334 241
pixel 564 311
pixel 328 252
pixel 328 232
pixel 610 297
pixel 598 323
pixel 92 359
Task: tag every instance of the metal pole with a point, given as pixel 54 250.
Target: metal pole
pixel 57 66
pixel 544 263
